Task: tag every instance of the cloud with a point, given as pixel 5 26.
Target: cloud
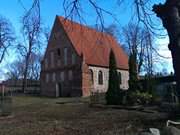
pixel 162 47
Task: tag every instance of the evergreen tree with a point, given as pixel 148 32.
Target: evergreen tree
pixel 133 80
pixel 113 95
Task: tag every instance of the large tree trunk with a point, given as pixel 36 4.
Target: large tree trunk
pixel 169 13
pixel 24 84
pixel 176 64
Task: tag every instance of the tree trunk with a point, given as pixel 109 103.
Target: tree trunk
pixel 24 83
pixel 26 66
pixel 169 13
pixel 176 65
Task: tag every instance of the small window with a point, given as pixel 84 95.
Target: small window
pixel 59 52
pixel 119 77
pixel 100 77
pixel 99 42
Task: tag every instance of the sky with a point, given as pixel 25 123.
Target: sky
pixel 13 10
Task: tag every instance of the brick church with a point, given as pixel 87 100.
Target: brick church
pixel 76 61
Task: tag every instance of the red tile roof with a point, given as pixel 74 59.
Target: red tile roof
pixel 94 46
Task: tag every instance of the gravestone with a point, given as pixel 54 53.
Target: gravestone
pixel 170 131
pixel 5 106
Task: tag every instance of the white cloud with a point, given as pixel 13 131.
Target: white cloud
pixel 162 47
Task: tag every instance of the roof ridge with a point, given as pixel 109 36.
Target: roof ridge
pixel 85 26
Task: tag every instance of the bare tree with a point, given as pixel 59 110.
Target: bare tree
pixel 6 36
pixel 34 66
pixel 138 42
pixel 169 13
pixel 149 54
pixel 111 29
pixel 46 32
pixel 15 69
pixel 31 23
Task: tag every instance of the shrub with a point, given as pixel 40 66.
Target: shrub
pixel 114 94
pixel 138 97
pixel 116 97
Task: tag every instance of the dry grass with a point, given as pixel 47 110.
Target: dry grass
pixel 43 116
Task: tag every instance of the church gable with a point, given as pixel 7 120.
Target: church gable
pixel 60 51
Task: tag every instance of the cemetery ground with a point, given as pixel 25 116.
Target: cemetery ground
pixel 74 116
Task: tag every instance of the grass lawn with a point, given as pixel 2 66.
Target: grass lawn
pixel 43 116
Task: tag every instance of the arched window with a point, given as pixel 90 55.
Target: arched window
pixel 92 78
pixel 59 52
pixel 100 77
pixel 119 76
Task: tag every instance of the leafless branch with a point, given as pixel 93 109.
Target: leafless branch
pixel 31 28
pixel 6 37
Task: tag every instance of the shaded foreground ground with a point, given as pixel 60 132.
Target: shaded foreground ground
pixel 43 116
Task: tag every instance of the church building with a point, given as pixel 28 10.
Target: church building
pixel 76 61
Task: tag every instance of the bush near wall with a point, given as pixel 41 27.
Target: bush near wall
pixel 138 97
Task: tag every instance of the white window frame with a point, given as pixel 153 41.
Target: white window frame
pixel 100 80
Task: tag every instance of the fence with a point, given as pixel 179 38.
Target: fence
pixel 15 86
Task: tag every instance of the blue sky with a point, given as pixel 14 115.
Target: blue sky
pixel 13 10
